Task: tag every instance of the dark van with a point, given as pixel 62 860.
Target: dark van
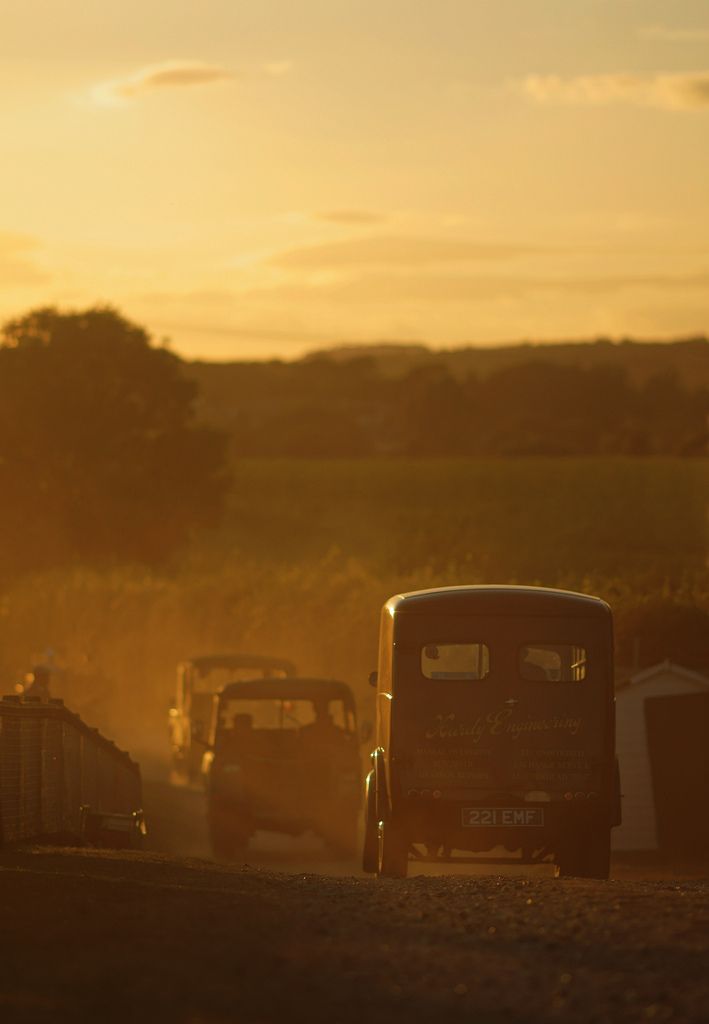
pixel 495 730
pixel 283 757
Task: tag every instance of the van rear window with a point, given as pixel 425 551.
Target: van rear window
pixel 455 661
pixel 554 663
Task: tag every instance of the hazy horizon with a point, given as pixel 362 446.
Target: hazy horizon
pixel 390 346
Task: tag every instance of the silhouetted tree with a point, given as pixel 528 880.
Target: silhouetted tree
pixel 676 418
pixel 100 460
pixel 433 412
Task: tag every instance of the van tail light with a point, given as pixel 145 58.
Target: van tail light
pixel 568 796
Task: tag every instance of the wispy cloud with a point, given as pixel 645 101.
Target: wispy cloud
pixel 277 68
pixel 393 252
pixel 350 216
pixel 17 267
pixel 390 287
pixel 688 91
pixel 674 35
pixel 168 75
pixel 13 242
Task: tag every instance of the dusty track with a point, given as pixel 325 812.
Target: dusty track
pixel 108 937
pixel 90 935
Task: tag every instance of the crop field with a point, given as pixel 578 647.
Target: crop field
pixel 310 550
pixel 546 520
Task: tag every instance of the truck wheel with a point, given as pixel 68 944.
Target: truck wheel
pixel 598 854
pixel 393 851
pixel 370 849
pixel 587 855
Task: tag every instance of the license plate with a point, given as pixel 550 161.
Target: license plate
pixel 502 817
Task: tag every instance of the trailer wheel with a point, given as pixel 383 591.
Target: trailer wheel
pixel 393 851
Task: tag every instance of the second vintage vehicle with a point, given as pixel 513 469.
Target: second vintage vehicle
pixel 283 756
pixel 190 713
pixel 495 730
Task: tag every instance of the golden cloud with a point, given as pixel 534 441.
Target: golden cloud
pixel 675 35
pixel 277 68
pixel 386 288
pixel 350 216
pixel 393 252
pixel 168 75
pixel 16 266
pixel 688 91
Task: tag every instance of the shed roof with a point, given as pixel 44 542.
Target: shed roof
pixel 665 667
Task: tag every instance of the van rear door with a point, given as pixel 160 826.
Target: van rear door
pixel 501 705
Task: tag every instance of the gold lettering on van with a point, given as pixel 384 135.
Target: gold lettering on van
pixel 499 723
pixel 446 727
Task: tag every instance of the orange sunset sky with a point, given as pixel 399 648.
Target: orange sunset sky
pixel 262 177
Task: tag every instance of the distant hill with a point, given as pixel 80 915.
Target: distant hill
pixel 599 397
pixel 689 358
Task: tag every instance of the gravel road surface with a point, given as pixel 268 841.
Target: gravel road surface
pixel 170 936
pixel 101 936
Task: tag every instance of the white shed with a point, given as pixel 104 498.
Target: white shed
pixel 642 771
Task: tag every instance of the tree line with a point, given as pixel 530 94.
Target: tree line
pixel 114 450
pixel 333 408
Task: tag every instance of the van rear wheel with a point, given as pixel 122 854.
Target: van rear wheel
pixel 586 856
pixel 393 851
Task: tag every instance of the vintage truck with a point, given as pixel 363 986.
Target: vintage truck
pixel 189 717
pixel 283 756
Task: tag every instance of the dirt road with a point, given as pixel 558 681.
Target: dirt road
pixel 145 937
pixel 152 937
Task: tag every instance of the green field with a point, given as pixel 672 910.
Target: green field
pixel 532 520
pixel 310 550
